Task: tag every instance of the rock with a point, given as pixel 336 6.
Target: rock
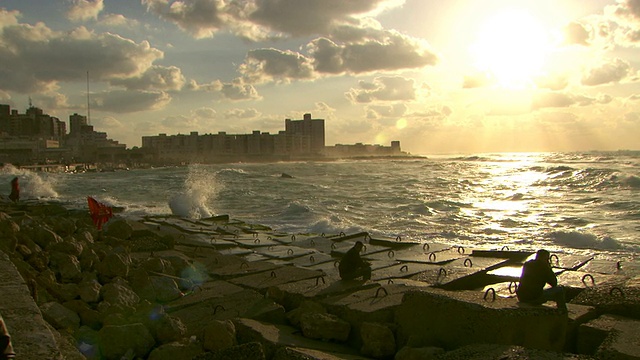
pixel 39 261
pixel 119 295
pixel 158 265
pixel 60 317
pixel 165 289
pixel 175 351
pixel 61 225
pixel 89 291
pixel 9 227
pixel 70 247
pixel 116 340
pixel 66 266
pixel 378 340
pixel 248 351
pixel 88 259
pixel 114 264
pixel 44 236
pixel 169 329
pixel 324 326
pixel 84 236
pixel 219 334
pixel 87 342
pixel 306 307
pixel 88 316
pixel 423 353
pixel 118 228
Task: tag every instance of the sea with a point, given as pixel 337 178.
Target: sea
pixel 575 203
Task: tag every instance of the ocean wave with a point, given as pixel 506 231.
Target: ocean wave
pixel 32 184
pixel 631 181
pixel 199 189
pixel 577 240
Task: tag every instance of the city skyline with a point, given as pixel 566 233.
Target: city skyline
pixel 450 77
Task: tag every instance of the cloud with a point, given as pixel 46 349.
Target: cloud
pixel 117 20
pixel 120 101
pixel 611 72
pixel 155 78
pixel 556 99
pixel 241 114
pixel 552 82
pixel 83 10
pixel 236 90
pixel 35 58
pixel 259 20
pixel 384 50
pixel 576 33
pixel 205 113
pixel 383 89
pixel 386 111
pixel 477 80
pixel 262 65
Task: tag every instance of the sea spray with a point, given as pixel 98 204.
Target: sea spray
pixel 200 187
pixel 33 185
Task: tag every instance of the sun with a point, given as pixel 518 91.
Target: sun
pixel 511 47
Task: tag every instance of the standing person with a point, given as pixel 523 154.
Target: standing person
pixel 352 266
pixel 15 190
pixel 535 275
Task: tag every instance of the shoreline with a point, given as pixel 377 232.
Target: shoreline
pixel 245 282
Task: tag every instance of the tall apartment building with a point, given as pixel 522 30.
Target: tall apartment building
pixel 34 123
pixel 313 128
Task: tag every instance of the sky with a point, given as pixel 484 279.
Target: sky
pixel 455 76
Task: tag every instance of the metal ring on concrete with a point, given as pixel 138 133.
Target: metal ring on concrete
pixel 551 259
pixel 333 246
pixel 293 237
pixel 244 263
pixel 460 250
pixel 364 247
pixel 269 237
pixel 432 255
pixel 289 251
pixel 390 281
pixel 212 241
pixel 273 274
pixel 487 292
pixel 256 241
pixel 619 265
pixel 255 235
pixel 367 237
pixel 215 309
pixel 391 253
pixel 270 247
pixel 342 234
pixel 405 267
pixel 336 263
pixel 442 271
pixel 593 281
pixel 468 260
pixel 318 278
pixel 383 289
pixel 312 259
pixel 514 288
pixel 505 248
pixel 425 245
pixel 312 242
pixel 616 289
pixel 322 235
pixel 398 238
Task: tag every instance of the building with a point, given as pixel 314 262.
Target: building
pixel 308 127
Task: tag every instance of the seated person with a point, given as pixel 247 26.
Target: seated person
pixel 535 275
pixel 352 266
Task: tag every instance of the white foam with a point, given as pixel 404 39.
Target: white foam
pixel 32 185
pixel 200 187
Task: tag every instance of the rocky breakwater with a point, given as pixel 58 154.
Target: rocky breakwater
pixel 169 288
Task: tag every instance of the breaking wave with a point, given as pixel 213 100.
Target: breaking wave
pixel 200 187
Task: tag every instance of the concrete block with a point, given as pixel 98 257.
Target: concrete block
pixel 282 275
pixel 434 317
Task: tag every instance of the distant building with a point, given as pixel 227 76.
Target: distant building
pixel 363 150
pixel 313 128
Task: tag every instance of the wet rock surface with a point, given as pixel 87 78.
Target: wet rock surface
pixel 163 287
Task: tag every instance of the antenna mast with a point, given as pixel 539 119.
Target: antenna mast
pixel 88 103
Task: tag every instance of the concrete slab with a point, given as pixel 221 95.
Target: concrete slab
pixel 569 261
pixel 312 259
pixel 622 340
pixel 314 289
pixel 579 279
pixel 255 242
pixel 240 269
pixel 284 252
pixel 602 266
pixel 504 253
pixel 282 275
pixel 402 270
pixel 369 300
pixel 204 292
pixel 442 276
pixel 318 243
pixel 396 242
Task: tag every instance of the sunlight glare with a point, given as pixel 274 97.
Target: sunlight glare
pixel 511 46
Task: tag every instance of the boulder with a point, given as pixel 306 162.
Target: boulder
pixel 70 247
pixel 118 228
pixel 88 259
pixel 324 326
pixel 119 295
pixel 165 288
pixel 66 266
pixel 61 225
pixel 87 342
pixel 219 334
pixel 306 307
pixel 114 264
pixel 59 316
pixel 44 236
pixel 9 227
pixel 89 291
pixel 175 351
pixel 248 351
pixel 378 340
pixel 88 316
pixel 116 340
pixel 169 329
pixel 158 265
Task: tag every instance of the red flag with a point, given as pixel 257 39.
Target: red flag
pixel 100 213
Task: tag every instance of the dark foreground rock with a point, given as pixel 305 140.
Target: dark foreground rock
pixel 163 287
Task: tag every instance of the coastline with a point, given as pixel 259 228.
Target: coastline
pixel 167 285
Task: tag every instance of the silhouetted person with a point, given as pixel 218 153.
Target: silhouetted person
pixel 352 266
pixel 15 190
pixel 535 275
